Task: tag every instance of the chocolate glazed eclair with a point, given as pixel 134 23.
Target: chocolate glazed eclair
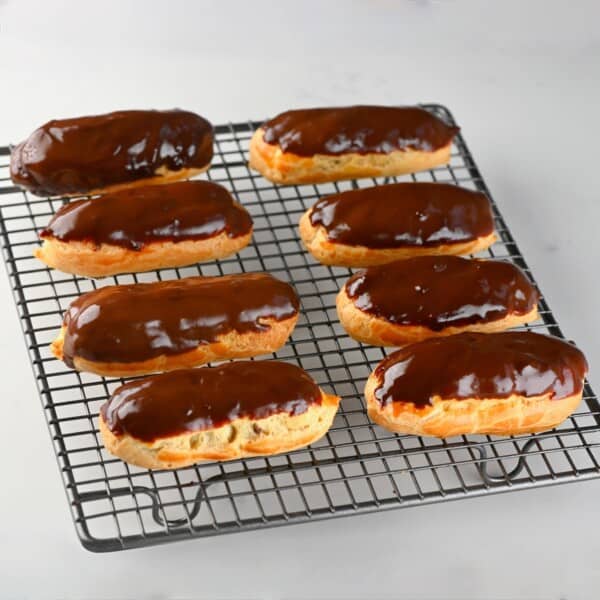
pixel 245 408
pixel 380 224
pixel 101 153
pixel 147 327
pixel 327 144
pixel 145 228
pixel 431 296
pixel 506 383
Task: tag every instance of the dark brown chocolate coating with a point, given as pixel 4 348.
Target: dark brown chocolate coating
pixel 132 218
pixel 357 129
pixel 76 156
pixel 198 399
pixel 404 214
pixel 442 291
pixel 134 323
pixel 481 365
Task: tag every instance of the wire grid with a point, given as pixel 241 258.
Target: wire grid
pixel 358 467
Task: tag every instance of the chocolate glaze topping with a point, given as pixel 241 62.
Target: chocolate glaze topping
pixel 131 323
pixel 198 399
pixel 73 156
pixel 442 291
pixel 481 365
pixel 132 218
pixel 357 129
pixel 404 214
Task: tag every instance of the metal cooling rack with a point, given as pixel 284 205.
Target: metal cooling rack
pixel 358 467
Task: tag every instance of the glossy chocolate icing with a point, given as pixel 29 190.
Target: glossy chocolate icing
pixel 132 218
pixel 481 365
pixel 132 323
pixel 198 399
pixel 357 129
pixel 442 291
pixel 76 156
pixel 404 214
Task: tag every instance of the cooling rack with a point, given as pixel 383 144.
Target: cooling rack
pixel 357 468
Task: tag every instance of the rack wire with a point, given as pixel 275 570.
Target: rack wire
pixel 357 468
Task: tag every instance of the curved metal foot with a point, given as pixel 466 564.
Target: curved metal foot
pixel 483 464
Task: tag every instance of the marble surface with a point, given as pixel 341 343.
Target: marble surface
pixel 522 79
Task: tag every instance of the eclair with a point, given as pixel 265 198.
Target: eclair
pixel 327 144
pixel 506 383
pixel 380 224
pixel 235 410
pixel 431 296
pixel 145 228
pixel 123 330
pixel 101 153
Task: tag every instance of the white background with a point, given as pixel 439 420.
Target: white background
pixel 523 80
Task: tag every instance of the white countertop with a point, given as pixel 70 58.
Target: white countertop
pixel 523 80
